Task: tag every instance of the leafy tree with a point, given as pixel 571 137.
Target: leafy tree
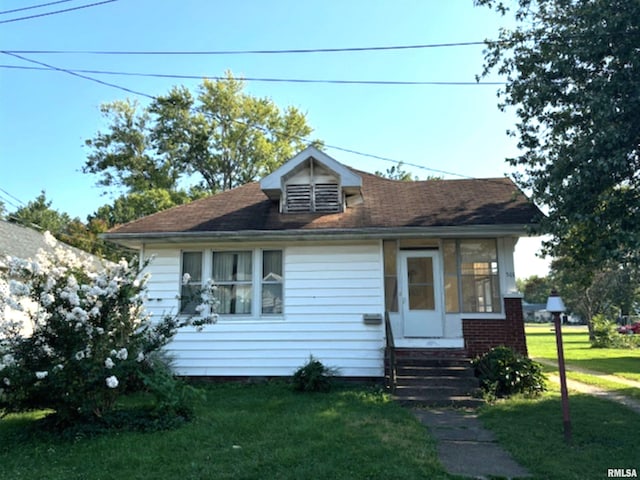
pixel 535 289
pixel 397 172
pixel 222 136
pixel 611 291
pixel 124 156
pixel 3 210
pixel 131 206
pixel 38 214
pixel 571 69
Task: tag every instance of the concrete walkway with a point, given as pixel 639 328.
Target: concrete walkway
pixel 630 403
pixel 580 387
pixel 465 447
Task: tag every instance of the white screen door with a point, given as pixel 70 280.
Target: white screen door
pixel 421 293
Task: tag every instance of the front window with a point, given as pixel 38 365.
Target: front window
pixel 248 282
pixel 271 281
pixel 232 273
pixel 191 282
pixel 471 276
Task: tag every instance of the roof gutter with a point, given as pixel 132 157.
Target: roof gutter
pixel 136 240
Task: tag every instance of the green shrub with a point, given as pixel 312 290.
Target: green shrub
pixel 313 377
pixel 91 340
pixel 605 335
pixel 502 372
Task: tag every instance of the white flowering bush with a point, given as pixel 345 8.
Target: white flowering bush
pixel 89 341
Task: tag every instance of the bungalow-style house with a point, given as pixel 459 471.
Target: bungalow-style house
pixel 310 260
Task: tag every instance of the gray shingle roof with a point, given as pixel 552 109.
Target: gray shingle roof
pixel 387 204
pixel 23 242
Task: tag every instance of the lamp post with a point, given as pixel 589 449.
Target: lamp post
pixel 555 306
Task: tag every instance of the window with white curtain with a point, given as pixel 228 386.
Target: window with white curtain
pixel 249 282
pixel 233 273
pixel 191 282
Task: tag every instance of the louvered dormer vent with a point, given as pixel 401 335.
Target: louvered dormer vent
pixel 298 198
pixel 327 197
pixel 313 182
pixel 319 197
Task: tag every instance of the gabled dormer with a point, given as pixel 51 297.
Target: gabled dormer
pixel 313 182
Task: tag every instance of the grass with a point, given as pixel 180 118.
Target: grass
pixel 240 431
pixel 267 431
pixel 604 435
pixel 578 351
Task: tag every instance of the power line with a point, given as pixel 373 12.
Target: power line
pixel 34 6
pixel 355 152
pixel 55 12
pixel 7 200
pixel 387 159
pixel 252 52
pixel 12 196
pixel 51 67
pixel 258 79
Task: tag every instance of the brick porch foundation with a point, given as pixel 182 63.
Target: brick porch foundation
pixel 481 335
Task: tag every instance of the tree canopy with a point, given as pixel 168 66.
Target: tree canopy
pixel 134 205
pixel 38 214
pixel 571 69
pixel 221 138
pixel 397 172
pixel 535 289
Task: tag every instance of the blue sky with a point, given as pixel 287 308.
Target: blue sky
pixel 45 116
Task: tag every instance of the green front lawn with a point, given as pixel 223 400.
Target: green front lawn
pixel 577 350
pixel 240 431
pixel 267 431
pixel 605 435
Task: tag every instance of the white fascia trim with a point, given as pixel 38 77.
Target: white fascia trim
pixel 135 240
pixel 347 177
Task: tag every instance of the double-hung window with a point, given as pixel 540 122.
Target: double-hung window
pixel 191 280
pixel 271 281
pixel 233 273
pixel 249 282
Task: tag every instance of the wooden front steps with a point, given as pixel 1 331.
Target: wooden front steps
pixel 435 377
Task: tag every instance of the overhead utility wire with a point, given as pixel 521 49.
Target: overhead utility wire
pixel 12 196
pixel 387 159
pixel 51 67
pixel 259 79
pixel 253 52
pixel 355 152
pixel 8 201
pixel 33 6
pixel 57 11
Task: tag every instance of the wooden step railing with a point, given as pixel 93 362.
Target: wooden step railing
pixel 389 355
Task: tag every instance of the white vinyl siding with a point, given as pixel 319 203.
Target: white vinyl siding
pixel 327 289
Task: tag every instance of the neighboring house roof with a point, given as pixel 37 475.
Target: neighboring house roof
pixel 23 242
pixel 387 205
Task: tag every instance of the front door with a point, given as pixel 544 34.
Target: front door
pixel 421 293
